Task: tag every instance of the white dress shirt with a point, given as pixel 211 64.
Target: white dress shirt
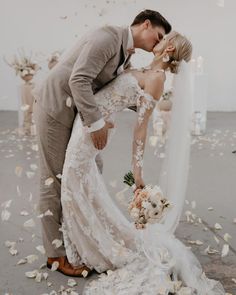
pixel 100 123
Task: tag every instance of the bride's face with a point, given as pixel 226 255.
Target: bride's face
pixel 164 44
pixel 160 47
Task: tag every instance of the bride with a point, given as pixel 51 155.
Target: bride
pixel 96 233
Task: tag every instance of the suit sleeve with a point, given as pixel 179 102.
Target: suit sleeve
pixel 98 50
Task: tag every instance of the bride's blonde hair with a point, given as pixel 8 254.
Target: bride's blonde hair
pixel 183 51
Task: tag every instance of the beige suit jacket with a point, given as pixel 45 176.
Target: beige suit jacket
pixel 81 72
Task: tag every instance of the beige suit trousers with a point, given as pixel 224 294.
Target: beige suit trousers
pixel 53 138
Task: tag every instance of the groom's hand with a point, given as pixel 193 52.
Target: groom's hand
pixel 99 137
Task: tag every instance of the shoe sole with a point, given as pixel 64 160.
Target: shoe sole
pixel 65 274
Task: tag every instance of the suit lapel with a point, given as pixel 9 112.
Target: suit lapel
pixel 125 35
pixel 127 60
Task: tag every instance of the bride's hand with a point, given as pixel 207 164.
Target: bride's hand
pixel 139 183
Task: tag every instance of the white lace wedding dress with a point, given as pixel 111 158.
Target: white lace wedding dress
pixel 97 233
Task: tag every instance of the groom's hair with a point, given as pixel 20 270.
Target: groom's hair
pixel 155 18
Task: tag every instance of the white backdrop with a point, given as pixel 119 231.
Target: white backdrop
pixel 44 26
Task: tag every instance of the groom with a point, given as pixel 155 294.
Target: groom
pixel 69 88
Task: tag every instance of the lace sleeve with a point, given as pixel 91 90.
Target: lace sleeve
pixel 145 105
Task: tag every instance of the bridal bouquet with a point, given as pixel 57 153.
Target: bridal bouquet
pixel 148 205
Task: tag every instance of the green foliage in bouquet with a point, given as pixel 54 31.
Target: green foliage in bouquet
pixel 129 179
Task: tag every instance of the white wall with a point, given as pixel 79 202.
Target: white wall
pixel 41 26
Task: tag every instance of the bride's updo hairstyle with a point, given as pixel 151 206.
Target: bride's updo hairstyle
pixel 183 51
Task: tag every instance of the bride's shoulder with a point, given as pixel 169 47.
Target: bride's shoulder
pixel 157 76
pixel 154 84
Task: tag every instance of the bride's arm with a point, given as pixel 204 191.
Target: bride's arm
pixel 152 92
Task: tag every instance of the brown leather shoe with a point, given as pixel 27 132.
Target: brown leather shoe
pixel 67 269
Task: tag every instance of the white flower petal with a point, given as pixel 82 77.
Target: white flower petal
pixel 197 242
pixel 225 250
pixel 34 167
pixel 9 244
pixel 218 226
pixel 5 215
pixel 6 204
pixel 41 215
pixel 55 266
pixel 44 265
pixel 48 213
pixel 29 223
pixel 32 258
pixel 227 237
pixel 24 213
pixel 209 250
pixel 30 174
pixel 153 140
pixel 49 181
pixel 71 283
pixel 35 147
pixel 13 251
pixel 68 102
pixel 57 243
pixel 38 277
pixel 45 275
pixel 84 273
pixel 31 274
pixel 41 249
pixel 22 261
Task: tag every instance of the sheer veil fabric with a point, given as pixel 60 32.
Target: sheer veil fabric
pixel 158 239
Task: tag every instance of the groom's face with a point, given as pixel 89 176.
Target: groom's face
pixel 152 35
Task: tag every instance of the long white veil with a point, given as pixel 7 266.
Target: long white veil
pixel 174 171
pixel 158 239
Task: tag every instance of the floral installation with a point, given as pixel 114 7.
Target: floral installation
pixel 54 57
pixel 23 64
pixel 148 205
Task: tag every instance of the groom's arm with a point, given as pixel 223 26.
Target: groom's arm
pixel 95 54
